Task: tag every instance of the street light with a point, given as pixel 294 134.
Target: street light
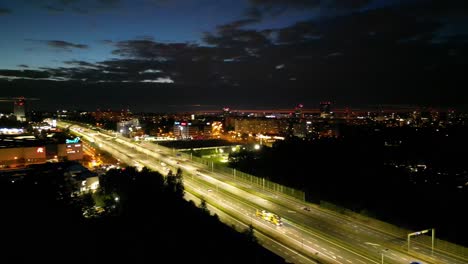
pixel 382 253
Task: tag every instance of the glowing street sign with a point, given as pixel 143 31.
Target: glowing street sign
pixel 73 141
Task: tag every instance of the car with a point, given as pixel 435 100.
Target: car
pixel 306 209
pixel 209 190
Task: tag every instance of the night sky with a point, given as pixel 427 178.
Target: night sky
pixel 173 55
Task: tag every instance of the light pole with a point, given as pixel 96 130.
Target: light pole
pixel 382 253
pixel 302 241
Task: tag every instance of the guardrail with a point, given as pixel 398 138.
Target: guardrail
pixel 245 177
pixel 441 245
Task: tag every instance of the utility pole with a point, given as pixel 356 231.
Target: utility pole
pixel 420 233
pixel 302 241
pixel 382 253
pixel 433 238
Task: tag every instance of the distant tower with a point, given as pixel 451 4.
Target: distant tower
pixel 227 118
pixel 19 106
pixel 297 123
pixel 19 109
pixel 298 111
pixel 325 109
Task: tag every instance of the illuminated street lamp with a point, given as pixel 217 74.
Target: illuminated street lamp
pixel 257 147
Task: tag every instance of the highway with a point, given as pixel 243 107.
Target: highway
pixel 312 236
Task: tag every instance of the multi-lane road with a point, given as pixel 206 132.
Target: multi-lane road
pixel 307 236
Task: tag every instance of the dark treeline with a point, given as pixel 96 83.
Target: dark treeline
pixel 373 171
pixel 145 220
pixel 88 118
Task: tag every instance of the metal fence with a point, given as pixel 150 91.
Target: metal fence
pixel 275 187
pixel 245 177
pixel 440 244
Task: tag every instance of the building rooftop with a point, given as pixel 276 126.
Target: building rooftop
pixel 27 140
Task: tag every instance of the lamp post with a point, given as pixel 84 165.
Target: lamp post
pixel 382 253
pixel 302 241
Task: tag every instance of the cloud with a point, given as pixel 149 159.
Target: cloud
pixel 149 49
pixel 435 8
pixel 81 63
pixel 57 79
pixel 109 2
pixel 53 8
pixel 334 54
pixel 24 73
pixel 380 53
pixel 237 24
pixel 232 35
pixel 259 8
pixel 77 6
pixel 23 66
pixel 12 75
pixel 65 45
pixel 299 32
pixel 282 4
pixel 350 4
pixel 4 11
pixel 107 41
pixel 149 71
pixel 159 80
pixel 61 44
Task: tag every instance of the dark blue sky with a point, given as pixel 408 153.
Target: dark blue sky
pixel 234 52
pixel 28 23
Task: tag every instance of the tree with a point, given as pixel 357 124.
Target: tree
pixel 203 206
pixel 179 188
pixel 250 234
pixel 175 184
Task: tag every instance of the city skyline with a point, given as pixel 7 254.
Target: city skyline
pixel 171 55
